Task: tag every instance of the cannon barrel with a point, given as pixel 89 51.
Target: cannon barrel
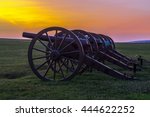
pixel 45 38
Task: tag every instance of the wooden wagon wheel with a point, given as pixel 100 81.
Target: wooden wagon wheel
pixel 107 41
pixel 101 44
pixel 91 50
pixel 112 42
pixel 55 58
pixel 91 39
pixel 88 49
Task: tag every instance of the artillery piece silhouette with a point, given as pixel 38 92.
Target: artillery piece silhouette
pixel 58 54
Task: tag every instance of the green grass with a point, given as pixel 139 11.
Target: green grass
pixel 18 82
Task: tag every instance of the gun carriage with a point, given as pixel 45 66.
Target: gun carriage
pixel 59 54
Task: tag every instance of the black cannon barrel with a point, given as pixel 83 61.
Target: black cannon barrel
pixel 44 38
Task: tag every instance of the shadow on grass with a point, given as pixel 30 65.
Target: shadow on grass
pixel 13 75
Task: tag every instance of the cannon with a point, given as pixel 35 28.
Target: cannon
pixel 102 52
pixel 58 54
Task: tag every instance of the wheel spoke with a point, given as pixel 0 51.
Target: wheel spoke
pixel 61 65
pixel 41 57
pixel 75 61
pixel 65 65
pixel 55 39
pixel 71 52
pixel 62 42
pixel 67 46
pixel 48 68
pixel 49 39
pixel 42 64
pixel 44 44
pixel 41 50
pixel 54 70
pixel 60 69
pixel 72 65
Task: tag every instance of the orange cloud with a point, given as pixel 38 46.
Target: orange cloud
pixel 26 13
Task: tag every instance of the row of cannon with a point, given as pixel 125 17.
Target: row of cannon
pixel 58 54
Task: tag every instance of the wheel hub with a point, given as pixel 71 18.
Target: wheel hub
pixel 55 54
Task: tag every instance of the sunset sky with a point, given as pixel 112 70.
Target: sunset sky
pixel 123 20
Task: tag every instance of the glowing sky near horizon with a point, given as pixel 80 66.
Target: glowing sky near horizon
pixel 123 20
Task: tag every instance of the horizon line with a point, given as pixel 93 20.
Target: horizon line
pixel 3 38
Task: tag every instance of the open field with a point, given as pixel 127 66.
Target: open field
pixel 18 82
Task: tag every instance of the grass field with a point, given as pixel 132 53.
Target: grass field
pixel 18 82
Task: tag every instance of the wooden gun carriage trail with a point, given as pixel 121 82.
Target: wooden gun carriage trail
pixel 58 54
